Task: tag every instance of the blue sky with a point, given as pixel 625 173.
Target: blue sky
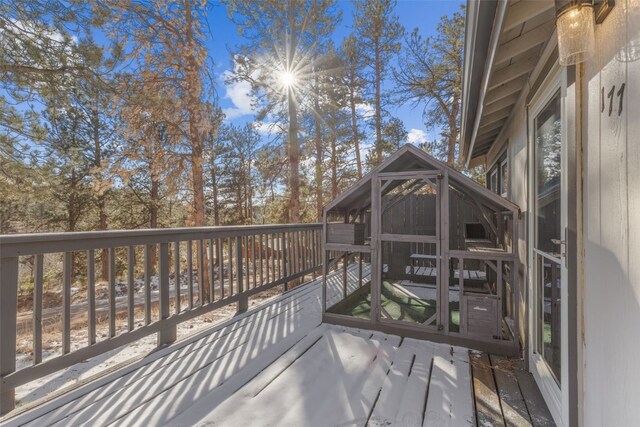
pixel 421 14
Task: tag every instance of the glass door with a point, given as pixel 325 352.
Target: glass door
pixel 409 248
pixel 547 234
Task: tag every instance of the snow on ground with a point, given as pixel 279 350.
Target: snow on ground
pixel 52 346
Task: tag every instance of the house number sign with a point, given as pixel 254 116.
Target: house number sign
pixel 610 96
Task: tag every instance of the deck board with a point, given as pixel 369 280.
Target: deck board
pixel 537 408
pixel 514 408
pixel 171 368
pixel 391 395
pixel 279 365
pixel 505 393
pixel 488 408
pixel 449 399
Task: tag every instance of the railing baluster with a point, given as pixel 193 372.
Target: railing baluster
pixel 221 265
pixel 253 259
pixel 269 252
pixel 37 309
pixel 131 272
pixel 176 268
pixel 261 251
pixel 230 252
pixel 276 256
pixel 295 247
pixel 91 295
pixel 301 251
pixel 282 251
pixel 201 271
pixel 277 259
pixel 314 253
pixel 66 302
pixel 245 254
pixel 9 298
pixel 306 249
pixel 291 266
pixel 242 302
pixel 147 284
pixel 294 261
pixel 112 292
pixel 212 271
pixel 190 272
pixel 284 259
pixel 293 256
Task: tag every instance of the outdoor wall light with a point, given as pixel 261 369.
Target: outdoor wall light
pixel 575 22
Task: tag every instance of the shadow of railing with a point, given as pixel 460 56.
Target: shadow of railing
pixel 220 265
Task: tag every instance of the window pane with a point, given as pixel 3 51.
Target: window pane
pixel 504 178
pixel 549 282
pixel 494 180
pixel 548 142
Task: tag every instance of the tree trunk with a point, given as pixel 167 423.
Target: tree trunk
pixel 214 187
pixel 194 109
pixel 334 169
pixel 294 149
pixel 318 147
pixel 354 130
pixel 154 208
pixel 71 202
pixel 378 103
pixel 453 136
pixel 100 199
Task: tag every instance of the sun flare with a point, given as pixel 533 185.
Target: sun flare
pixel 288 79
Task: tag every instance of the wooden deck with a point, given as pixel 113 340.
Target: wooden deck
pixel 278 365
pixel 505 393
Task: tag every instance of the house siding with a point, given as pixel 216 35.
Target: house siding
pixel 611 293
pixel 516 149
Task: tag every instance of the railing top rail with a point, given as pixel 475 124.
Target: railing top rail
pixel 12 245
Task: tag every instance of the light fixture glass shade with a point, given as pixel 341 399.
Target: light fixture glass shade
pixel 576 34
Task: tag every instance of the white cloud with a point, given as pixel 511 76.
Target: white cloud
pixel 240 95
pixel 416 136
pixel 267 128
pixel 365 110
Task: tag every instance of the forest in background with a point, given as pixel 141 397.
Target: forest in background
pixel 110 117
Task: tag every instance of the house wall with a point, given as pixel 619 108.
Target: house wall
pixel 515 140
pixel 611 293
pixel 609 271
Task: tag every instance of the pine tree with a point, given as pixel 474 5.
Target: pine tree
pixel 354 84
pixel 283 41
pixel 378 33
pixel 430 74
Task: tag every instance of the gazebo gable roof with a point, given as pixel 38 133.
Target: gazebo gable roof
pixel 410 158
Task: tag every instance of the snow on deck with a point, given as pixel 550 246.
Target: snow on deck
pixel 277 365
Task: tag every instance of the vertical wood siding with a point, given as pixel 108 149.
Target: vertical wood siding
pixel 612 221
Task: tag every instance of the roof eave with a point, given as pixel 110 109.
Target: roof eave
pixel 482 33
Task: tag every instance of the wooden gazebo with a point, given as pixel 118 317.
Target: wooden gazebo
pixel 432 253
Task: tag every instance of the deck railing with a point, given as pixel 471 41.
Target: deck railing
pixel 218 266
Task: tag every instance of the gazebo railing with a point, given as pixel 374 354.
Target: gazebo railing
pixel 186 272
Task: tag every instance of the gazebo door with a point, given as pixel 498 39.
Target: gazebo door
pixel 408 248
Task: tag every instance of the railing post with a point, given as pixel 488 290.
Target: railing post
pixel 243 301
pixel 167 334
pixel 8 312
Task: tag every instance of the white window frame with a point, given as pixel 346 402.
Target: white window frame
pixel 555 396
pixel 504 192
